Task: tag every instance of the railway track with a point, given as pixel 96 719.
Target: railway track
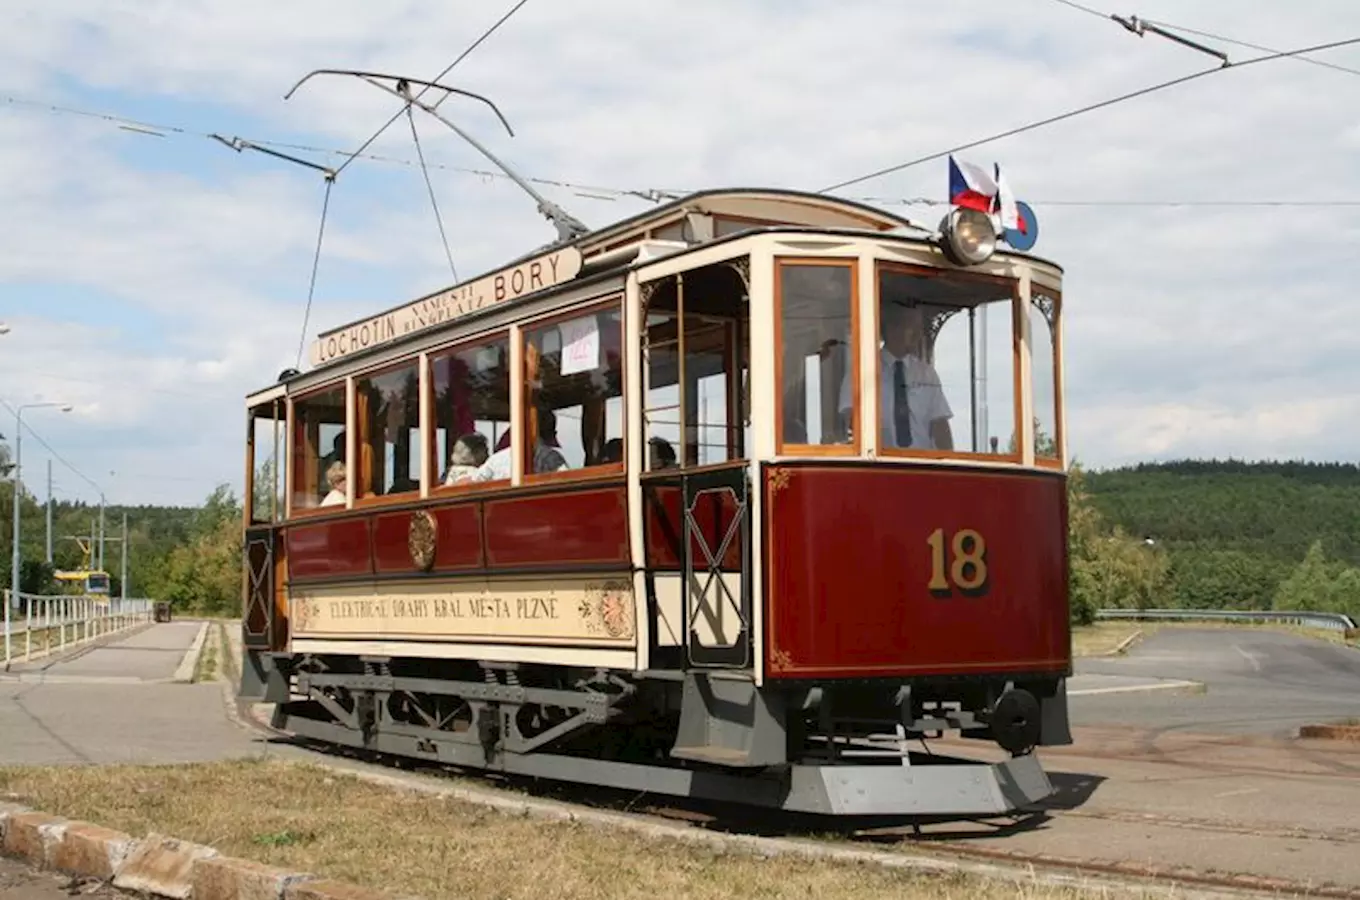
pixel 929 838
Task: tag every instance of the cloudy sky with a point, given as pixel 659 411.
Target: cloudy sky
pixel 1208 231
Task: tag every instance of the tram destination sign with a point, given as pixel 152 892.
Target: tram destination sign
pixel 511 283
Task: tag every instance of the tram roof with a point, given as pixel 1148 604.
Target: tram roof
pixel 752 209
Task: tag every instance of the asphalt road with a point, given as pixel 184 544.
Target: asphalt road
pixel 1258 682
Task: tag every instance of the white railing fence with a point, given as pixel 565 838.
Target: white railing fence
pixel 1327 620
pixel 37 625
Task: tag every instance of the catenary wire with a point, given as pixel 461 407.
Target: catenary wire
pixel 1085 109
pixel 316 263
pixel 55 455
pixel 422 91
pixel 650 194
pixel 1209 34
pixel 439 220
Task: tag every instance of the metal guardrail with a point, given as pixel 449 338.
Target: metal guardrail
pixel 1325 620
pixel 47 624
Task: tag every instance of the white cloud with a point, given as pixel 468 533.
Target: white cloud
pixel 1190 330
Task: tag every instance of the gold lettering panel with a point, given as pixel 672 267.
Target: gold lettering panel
pixel 576 611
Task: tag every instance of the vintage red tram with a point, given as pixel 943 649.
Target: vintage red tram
pixel 740 498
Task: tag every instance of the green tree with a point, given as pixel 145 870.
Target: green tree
pixel 1320 585
pixel 1108 568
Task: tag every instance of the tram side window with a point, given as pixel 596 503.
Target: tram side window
pixel 696 414
pixel 1043 324
pixel 816 335
pixel 471 412
pixel 267 494
pixel 387 416
pixel 573 376
pixel 319 464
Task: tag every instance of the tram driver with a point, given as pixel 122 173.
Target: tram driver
pixel 913 410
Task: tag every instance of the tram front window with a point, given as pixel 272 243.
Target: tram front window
pixel 945 374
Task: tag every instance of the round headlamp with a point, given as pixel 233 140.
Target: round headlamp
pixel 969 237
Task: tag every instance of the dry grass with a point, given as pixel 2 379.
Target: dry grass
pixel 310 819
pixel 1102 638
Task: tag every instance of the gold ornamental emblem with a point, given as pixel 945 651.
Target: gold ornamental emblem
pixel 421 540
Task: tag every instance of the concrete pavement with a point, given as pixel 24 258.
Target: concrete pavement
pixel 117 703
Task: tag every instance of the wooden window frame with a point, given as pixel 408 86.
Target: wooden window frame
pixel 291 510
pixel 521 432
pixel 486 339
pixel 1055 338
pixel 278 414
pixel 356 446
pixel 855 445
pixel 1017 392
pixel 733 335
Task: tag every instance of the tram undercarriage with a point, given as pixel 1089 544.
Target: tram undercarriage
pixel 839 749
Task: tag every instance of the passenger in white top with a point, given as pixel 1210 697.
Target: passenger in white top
pixel 547 458
pixel 913 411
pixel 469 452
pixel 335 477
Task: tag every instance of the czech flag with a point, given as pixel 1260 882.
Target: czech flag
pixel 971 186
pixel 1011 217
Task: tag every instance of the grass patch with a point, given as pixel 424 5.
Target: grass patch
pixel 306 818
pixel 1101 638
pixel 209 660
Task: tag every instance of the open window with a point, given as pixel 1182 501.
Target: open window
pixel 696 358
pixel 1044 311
pixel 265 434
pixel 573 415
pixel 945 363
pixel 320 467
pixel 818 404
pixel 387 438
pixel 471 385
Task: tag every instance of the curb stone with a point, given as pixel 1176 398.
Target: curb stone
pixel 157 866
pixel 1128 642
pixel 187 665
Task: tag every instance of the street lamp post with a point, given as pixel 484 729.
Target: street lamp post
pixel 18 463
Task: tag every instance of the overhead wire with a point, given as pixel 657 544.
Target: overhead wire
pixel 55 455
pixel 653 194
pixel 501 21
pixel 438 219
pixel 1207 34
pixel 1086 109
pixel 316 264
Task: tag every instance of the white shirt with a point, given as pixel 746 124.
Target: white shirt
pixel 497 465
pixel 925 400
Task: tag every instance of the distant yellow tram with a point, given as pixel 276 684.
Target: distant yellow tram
pixel 84 582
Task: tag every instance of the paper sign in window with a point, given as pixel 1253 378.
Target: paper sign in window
pixel 580 345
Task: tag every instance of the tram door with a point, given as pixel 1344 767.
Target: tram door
pixel 264 618
pixel 696 484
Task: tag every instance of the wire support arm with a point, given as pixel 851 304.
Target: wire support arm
pixel 568 227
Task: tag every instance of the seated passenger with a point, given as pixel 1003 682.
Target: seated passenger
pixel 662 454
pixel 547 458
pixel 469 452
pixel 335 477
pixel 912 407
pixel 612 452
